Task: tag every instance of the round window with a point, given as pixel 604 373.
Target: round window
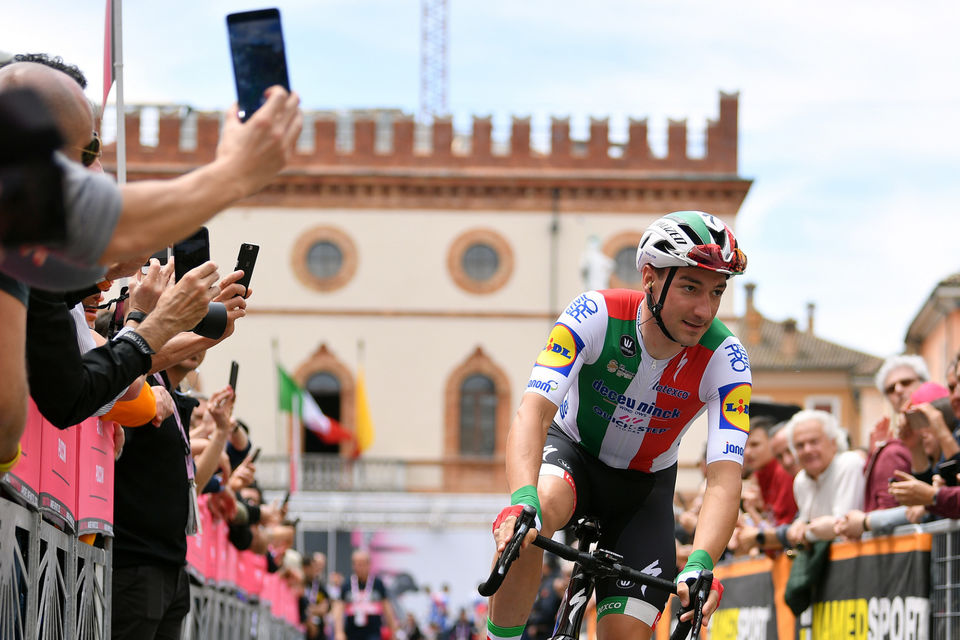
pixel 480 262
pixel 324 259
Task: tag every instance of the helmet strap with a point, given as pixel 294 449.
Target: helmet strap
pixel 656 308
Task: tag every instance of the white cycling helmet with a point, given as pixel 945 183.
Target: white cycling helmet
pixel 691 239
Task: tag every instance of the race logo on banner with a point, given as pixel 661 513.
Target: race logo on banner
pixel 875 590
pixel 747 610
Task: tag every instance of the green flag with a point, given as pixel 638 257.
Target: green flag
pixel 289 390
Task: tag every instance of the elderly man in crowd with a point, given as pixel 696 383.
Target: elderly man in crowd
pixel 830 483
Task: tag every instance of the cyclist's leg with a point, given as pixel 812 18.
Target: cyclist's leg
pixel 617 626
pixel 645 540
pixel 556 488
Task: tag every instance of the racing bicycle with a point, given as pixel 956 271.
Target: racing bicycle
pixel 589 566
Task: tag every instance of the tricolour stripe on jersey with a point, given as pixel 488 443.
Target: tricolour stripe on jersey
pixel 692 361
pixel 622 303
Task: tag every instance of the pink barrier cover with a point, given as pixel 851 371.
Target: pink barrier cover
pixel 212 541
pixel 22 483
pixel 256 571
pixel 95 477
pixel 269 592
pixel 58 474
pixel 196 544
pixel 229 558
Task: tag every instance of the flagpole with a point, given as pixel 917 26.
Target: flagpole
pixel 118 74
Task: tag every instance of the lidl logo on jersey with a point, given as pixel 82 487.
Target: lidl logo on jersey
pixel 561 350
pixel 735 406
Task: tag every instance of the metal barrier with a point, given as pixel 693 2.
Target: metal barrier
pixel 52 585
pixel 944 579
pixel 224 614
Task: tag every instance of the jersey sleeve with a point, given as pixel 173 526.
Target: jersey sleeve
pixel 725 389
pixel 576 338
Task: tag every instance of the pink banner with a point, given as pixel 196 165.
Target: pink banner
pixel 231 559
pixel 22 483
pixel 95 477
pixel 58 474
pixel 212 543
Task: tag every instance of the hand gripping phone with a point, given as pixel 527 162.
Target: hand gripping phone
pixel 259 58
pixel 191 253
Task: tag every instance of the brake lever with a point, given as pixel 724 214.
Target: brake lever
pixel 699 596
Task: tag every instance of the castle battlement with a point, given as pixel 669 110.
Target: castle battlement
pixel 390 140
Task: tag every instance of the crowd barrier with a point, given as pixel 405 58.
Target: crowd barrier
pixel 899 587
pixel 55 585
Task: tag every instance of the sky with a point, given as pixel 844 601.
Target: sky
pixel 848 110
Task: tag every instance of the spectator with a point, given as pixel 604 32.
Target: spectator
pixel 315 603
pixel 830 483
pixel 409 630
pixel 780 446
pixel 462 628
pixel 363 607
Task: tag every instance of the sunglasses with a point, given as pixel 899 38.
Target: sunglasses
pixel 92 151
pixel 901 383
pixel 710 256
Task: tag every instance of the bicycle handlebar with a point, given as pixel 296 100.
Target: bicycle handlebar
pixel 601 567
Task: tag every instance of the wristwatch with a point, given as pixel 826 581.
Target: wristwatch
pixel 136 316
pixel 137 341
pixel 761 538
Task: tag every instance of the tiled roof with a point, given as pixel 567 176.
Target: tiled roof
pixel 812 353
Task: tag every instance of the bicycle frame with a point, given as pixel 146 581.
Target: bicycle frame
pixel 590 565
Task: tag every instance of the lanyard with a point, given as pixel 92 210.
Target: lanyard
pixel 187 455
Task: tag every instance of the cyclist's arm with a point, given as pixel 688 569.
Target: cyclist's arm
pixel 525 440
pixel 720 507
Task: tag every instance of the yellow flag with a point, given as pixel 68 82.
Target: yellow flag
pixel 364 422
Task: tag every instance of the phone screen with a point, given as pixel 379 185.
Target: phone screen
pixel 246 260
pixel 948 471
pixel 259 61
pixel 191 252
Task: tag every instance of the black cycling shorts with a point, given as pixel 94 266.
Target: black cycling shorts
pixel 635 513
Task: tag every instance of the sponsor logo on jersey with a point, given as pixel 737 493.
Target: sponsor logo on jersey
pixel 670 391
pixel 624 584
pixel 735 406
pixel 543 385
pixel 581 308
pixel 739 361
pixel 652 569
pixel 561 350
pixel 547 450
pixel 635 424
pixel 564 407
pixel 612 606
pixel 621 371
pixel 733 449
pixel 628 345
pixel 639 408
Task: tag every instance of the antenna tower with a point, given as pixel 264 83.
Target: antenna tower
pixel 433 59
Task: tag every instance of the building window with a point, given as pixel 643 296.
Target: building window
pixel 480 261
pixel 622 248
pixel 478 416
pixel 324 258
pixel 477 408
pixel 324 386
pixel 830 404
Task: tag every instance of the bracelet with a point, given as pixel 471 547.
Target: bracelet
pixel 866 522
pixel 138 342
pixel 10 464
pixel 136 316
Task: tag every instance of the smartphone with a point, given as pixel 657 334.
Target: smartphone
pixel 256 454
pixel 246 260
pixel 948 470
pixel 917 419
pixel 259 60
pixel 286 499
pixel 162 256
pixel 191 253
pixel 234 369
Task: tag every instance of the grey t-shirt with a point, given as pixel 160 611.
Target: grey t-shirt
pixel 93 203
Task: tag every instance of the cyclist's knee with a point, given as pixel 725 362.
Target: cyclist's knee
pixel 556 502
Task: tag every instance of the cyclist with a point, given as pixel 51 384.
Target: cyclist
pixel 622 377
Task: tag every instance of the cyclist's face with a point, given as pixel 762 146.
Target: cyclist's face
pixel 815 449
pixel 692 302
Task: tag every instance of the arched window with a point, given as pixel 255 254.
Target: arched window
pixel 478 416
pixel 324 386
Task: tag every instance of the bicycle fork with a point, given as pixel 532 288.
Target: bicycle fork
pixel 579 590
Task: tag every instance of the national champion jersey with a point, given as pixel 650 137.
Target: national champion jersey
pixel 629 409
